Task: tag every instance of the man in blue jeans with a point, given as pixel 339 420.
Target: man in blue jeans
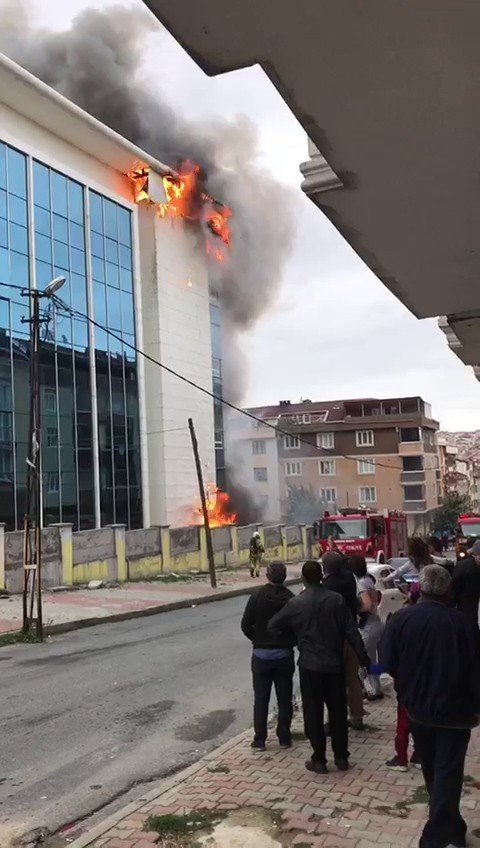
pixel 431 651
pixel 272 657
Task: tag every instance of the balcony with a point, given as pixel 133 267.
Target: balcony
pixel 414 506
pixel 412 477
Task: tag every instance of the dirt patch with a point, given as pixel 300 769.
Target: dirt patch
pixel 243 829
pixel 205 727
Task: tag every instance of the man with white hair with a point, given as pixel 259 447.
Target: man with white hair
pixel 431 651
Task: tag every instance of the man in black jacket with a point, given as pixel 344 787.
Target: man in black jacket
pixel 339 578
pixel 466 584
pixel 272 658
pixel 431 652
pixel 321 623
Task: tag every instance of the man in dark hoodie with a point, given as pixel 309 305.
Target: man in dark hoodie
pixel 339 578
pixel 272 658
pixel 322 623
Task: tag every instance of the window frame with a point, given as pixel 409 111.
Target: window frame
pixel 366 461
pixel 289 466
pixel 261 478
pixel 361 442
pixel 263 443
pixel 329 462
pixel 290 437
pixel 331 490
pixel 367 500
pixel 321 436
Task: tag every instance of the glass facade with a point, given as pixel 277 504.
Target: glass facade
pixel 217 388
pixel 52 207
pixel 116 369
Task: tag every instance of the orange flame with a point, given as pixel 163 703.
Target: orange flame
pixel 218 508
pixel 186 200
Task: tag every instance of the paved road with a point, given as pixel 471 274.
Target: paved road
pixel 88 714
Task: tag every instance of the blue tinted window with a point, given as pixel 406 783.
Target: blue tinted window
pixel 59 194
pixel 75 197
pixel 60 228
pixel 3 166
pixel 3 204
pixel 18 269
pixel 80 334
pixel 96 241
pixel 18 238
pixel 125 257
pixel 110 215
pixel 98 269
pixel 99 303
pixel 41 185
pixel 114 309
pixel 112 251
pixel 60 255
pixel 3 233
pixel 43 272
pixel 124 235
pixel 42 221
pixel 17 210
pixel 43 248
pixel 16 172
pixel 113 277
pixel 126 280
pixel 96 212
pixel 77 260
pixel 79 293
pixel 4 266
pixel 76 236
pixel 127 312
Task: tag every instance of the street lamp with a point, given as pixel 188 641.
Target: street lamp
pixel 32 551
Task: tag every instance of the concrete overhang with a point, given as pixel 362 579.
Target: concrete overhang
pixel 389 95
pixel 30 97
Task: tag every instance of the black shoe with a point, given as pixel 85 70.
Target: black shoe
pixel 317 768
pixel 285 745
pixel 356 723
pixel 258 746
pixel 342 764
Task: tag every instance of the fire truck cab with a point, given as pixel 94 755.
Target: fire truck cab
pixel 467 531
pixel 377 536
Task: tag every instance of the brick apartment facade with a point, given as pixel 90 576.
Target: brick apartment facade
pixel 378 453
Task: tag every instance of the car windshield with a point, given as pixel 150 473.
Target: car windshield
pixel 345 528
pixel 470 529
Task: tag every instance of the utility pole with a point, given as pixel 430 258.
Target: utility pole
pixel 206 520
pixel 32 540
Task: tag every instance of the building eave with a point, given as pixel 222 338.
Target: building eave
pixel 23 92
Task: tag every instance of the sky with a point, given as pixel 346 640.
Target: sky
pixel 334 330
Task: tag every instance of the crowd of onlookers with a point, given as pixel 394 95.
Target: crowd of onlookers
pixel 431 649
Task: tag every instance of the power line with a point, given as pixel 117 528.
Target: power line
pixel 76 313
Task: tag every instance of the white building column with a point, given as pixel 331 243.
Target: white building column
pixel 176 330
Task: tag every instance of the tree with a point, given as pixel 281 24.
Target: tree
pixel 446 516
pixel 303 506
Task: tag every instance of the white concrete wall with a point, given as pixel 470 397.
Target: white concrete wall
pixel 176 330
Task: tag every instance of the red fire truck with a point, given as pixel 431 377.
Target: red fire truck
pixel 467 531
pixel 375 535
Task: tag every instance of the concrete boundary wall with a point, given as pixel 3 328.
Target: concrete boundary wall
pixel 116 554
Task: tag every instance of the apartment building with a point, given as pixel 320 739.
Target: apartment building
pixel 376 453
pixel 252 452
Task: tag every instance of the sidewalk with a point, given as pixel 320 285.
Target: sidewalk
pixel 71 609
pixel 273 795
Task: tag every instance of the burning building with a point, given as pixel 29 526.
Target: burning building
pixel 176 259
pixel 135 240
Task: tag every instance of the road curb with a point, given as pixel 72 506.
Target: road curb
pixel 148 797
pixel 80 623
